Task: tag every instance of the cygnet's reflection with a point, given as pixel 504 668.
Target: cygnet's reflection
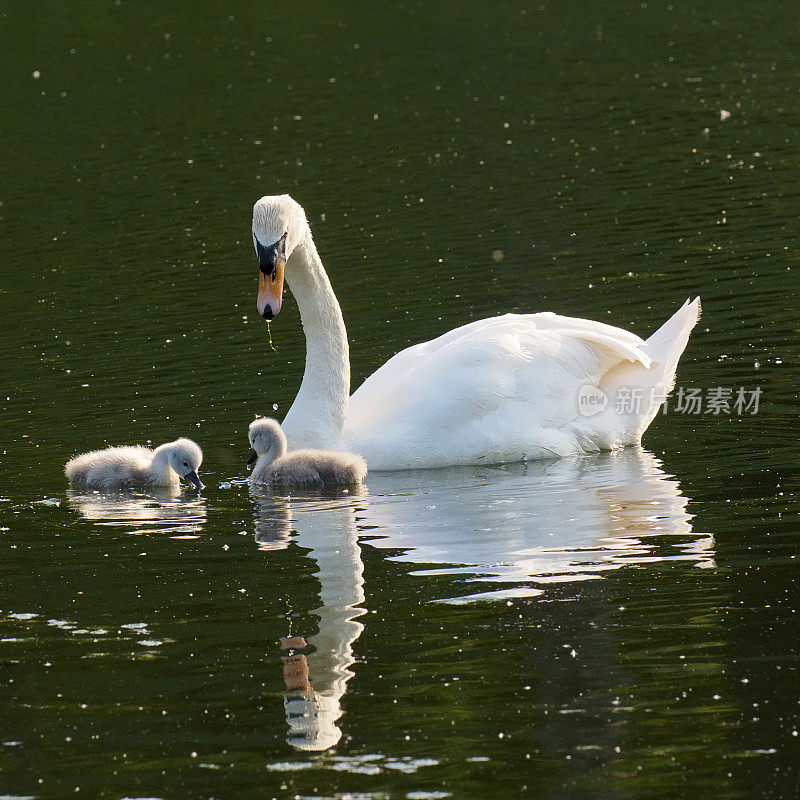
pixel 523 526
pixel 166 511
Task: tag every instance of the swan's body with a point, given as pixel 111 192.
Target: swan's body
pixel 310 469
pixel 518 386
pixel 137 466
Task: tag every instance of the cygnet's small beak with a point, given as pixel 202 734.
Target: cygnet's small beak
pixel 194 479
pixel 271 264
pixel 252 457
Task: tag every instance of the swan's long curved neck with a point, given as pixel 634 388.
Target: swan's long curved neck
pixel 317 415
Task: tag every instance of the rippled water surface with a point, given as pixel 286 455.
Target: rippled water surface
pixel 618 626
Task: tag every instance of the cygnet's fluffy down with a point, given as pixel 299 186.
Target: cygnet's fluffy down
pixel 310 469
pixel 137 466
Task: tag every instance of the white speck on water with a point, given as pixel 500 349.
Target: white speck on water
pixel 36 74
pixel 723 115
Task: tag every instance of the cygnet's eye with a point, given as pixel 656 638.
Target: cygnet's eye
pixel 186 464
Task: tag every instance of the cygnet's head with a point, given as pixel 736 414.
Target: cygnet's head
pixel 185 457
pixel 279 224
pixel 266 439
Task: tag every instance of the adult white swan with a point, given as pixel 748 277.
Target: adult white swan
pixel 501 389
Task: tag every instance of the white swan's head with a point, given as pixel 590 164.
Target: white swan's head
pixel 266 439
pixel 279 224
pixel 185 457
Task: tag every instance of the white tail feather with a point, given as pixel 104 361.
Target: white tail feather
pixel 669 341
pixel 636 392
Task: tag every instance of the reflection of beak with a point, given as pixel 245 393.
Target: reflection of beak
pixel 271 262
pixel 193 478
pixel 252 458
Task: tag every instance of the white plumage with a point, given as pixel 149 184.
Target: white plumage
pixel 310 469
pixel 137 466
pixel 518 386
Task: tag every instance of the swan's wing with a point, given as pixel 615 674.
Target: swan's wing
pixel 500 380
pixel 626 344
pixel 495 331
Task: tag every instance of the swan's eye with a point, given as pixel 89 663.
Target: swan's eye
pixel 186 464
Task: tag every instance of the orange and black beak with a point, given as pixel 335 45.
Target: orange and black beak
pixel 271 263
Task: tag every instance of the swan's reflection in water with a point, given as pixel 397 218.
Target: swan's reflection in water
pixel 315 682
pixel 520 526
pixel 537 523
pixel 180 515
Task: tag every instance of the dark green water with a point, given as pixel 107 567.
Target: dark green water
pixel 621 626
